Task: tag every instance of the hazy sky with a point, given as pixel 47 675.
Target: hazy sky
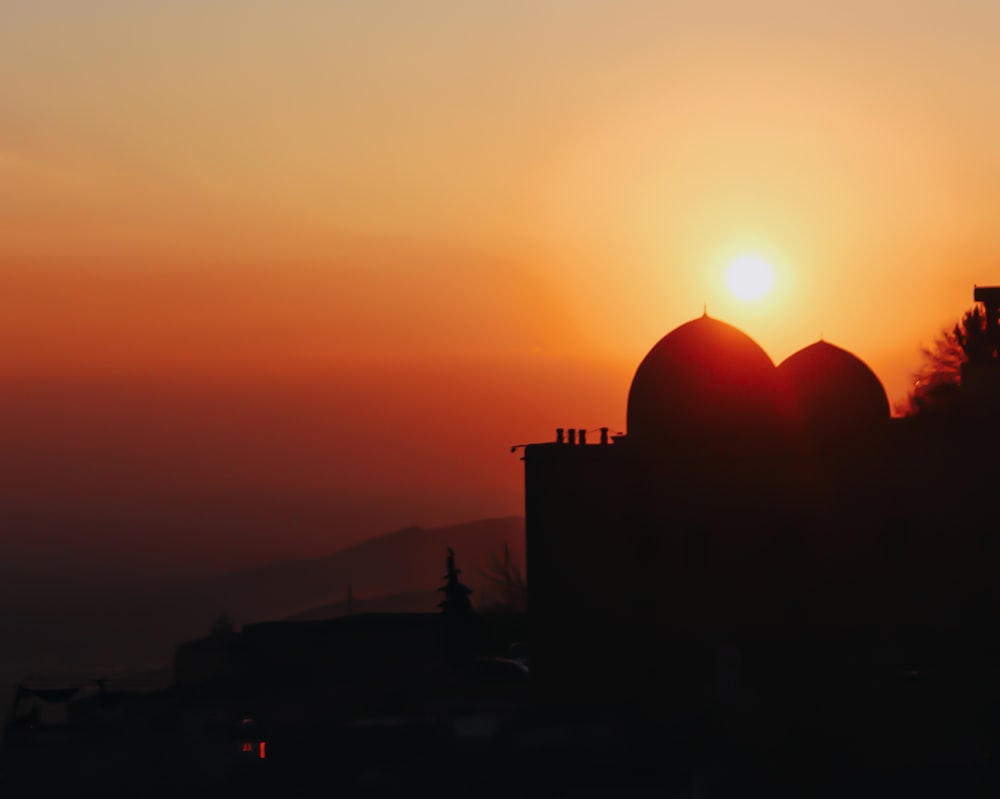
pixel 277 275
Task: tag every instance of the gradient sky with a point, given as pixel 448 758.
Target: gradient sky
pixel 275 276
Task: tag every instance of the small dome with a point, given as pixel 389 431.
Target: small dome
pixel 832 388
pixel 703 379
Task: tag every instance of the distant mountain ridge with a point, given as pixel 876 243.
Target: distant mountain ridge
pixel 396 572
pixel 404 562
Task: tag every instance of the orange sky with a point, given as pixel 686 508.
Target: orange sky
pixel 335 258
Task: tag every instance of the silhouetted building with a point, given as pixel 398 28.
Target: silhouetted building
pixel 762 507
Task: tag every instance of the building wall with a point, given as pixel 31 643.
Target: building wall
pixel 633 553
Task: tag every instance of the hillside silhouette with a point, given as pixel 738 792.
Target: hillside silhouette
pixel 406 602
pixel 76 630
pixel 404 564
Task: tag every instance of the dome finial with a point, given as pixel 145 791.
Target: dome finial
pixel 704 310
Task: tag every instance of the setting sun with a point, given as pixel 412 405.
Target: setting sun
pixel 749 278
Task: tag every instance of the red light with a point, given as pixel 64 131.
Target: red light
pixel 263 744
pixel 247 747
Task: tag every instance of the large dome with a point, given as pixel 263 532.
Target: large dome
pixel 833 389
pixel 703 379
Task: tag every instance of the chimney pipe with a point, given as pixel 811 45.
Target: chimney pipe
pixel 583 436
pixel 572 435
pixel 604 436
pixel 559 435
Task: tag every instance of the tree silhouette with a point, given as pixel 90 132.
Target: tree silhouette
pixel 936 382
pixel 508 587
pixel 460 630
pixel 456 603
pixel 223 627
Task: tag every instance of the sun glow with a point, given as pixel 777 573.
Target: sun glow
pixel 749 278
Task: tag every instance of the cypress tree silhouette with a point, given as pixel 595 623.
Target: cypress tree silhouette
pixel 460 630
pixel 456 602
